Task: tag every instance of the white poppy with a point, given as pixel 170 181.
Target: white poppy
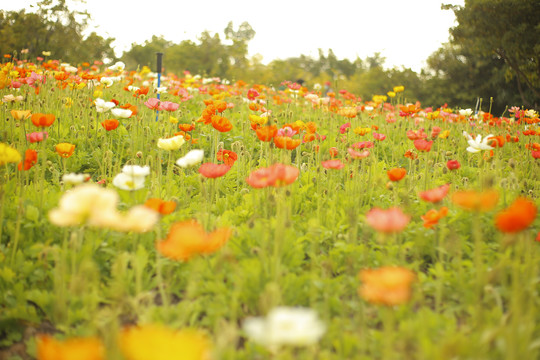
pixel 106 81
pixel 127 182
pixel 119 66
pixel 75 179
pixel 478 144
pixel 191 158
pixel 121 113
pixel 136 170
pixel 103 106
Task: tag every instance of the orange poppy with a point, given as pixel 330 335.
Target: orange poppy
pixel 188 238
pixel 396 174
pixel 20 114
pixel 221 123
pixel 228 157
pixel 266 133
pixel 476 201
pixel 186 127
pixel 284 142
pixel 516 217
pixel 435 195
pixel 161 206
pixel 65 150
pixel 433 216
pixel 388 286
pixel 90 348
pixel 30 159
pixel 43 120
pixel 110 124
pixel 410 154
pixel 496 141
pixel 213 171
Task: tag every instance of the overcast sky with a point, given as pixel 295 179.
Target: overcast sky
pixel 405 32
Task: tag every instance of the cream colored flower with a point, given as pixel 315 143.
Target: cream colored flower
pixel 173 143
pixel 12 98
pixel 191 158
pixel 106 81
pixel 127 182
pixel 103 106
pixel 75 179
pixel 121 113
pixel 138 219
pixel 136 170
pixel 119 66
pixel 478 144
pixel 466 112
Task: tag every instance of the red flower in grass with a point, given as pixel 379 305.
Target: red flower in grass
pixel 276 175
pixel 423 145
pixel 332 164
pixel 30 159
pixel 228 157
pixel 435 195
pixel 396 174
pixel 453 164
pixel 110 124
pixel 516 217
pixel 213 171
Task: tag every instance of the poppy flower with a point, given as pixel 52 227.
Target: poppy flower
pixel 168 106
pixel 110 124
pixel 496 141
pixel 535 154
pixel 186 127
pixel 410 154
pixel 266 133
pixel 8 154
pixel 387 221
pixel 191 158
pixel 30 159
pixel 363 145
pixel 416 135
pixel 285 142
pixel 435 195
pixel 37 136
pixel 435 131
pixel 516 217
pixel 43 120
pixel 396 174
pixel 276 175
pixel 332 164
pixel 333 151
pixel 453 165
pixel 433 216
pixel 476 201
pixel 358 154
pixel 388 286
pixel 161 206
pixel 344 128
pixel 221 123
pixel 90 348
pixel 122 113
pixel 423 145
pixel 213 171
pixel 65 150
pixel 20 114
pixel 188 238
pixel 152 103
pixel 379 137
pixel 171 144
pixel 228 157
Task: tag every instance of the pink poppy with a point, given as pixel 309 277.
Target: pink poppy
pixel 168 106
pixel 37 136
pixel 332 164
pixel 358 154
pixel 153 104
pixel 435 195
pixel 363 145
pixel 378 136
pixel 387 221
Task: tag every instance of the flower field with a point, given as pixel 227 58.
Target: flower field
pixel 201 218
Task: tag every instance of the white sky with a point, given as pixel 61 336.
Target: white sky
pixel 406 32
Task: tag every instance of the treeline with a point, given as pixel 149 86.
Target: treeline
pixel 494 53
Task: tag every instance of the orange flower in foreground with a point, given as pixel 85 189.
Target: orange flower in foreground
pixel 65 150
pixel 30 159
pixel 188 238
pixel 433 216
pixel 276 175
pixel 285 142
pixel 476 201
pixel 435 195
pixel 517 216
pixel 266 133
pixel 157 342
pixel 161 206
pixel 76 348
pixel 396 174
pixel 386 286
pixel 43 120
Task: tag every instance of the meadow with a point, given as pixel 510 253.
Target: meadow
pixel 214 219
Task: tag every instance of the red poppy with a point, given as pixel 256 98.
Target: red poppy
pixel 435 195
pixel 453 164
pixel 332 164
pixel 416 135
pixel 423 145
pixel 30 159
pixel 110 124
pixel 213 171
pixel 227 156
pixel 496 141
pixel 396 174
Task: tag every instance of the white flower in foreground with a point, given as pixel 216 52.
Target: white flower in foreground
pixel 103 106
pixel 173 143
pixel 478 144
pixel 82 203
pixel 161 90
pixel 121 113
pixel 136 170
pixel 466 112
pixel 127 182
pixel 75 179
pixel 191 158
pixel 285 326
pixel 138 219
pixel 106 81
pixel 119 66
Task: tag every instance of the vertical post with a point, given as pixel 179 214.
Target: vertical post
pixel 159 65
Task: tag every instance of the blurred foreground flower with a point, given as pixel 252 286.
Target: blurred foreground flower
pixel 191 158
pixel 387 221
pixel 75 179
pixel 8 154
pixel 476 201
pixel 435 195
pixel 30 159
pixel 213 171
pixel 132 177
pixel 170 144
pixel 516 217
pixel 276 175
pixel 49 348
pixel 188 238
pixel 386 286
pixel 285 326
pixel 161 206
pixel 157 342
